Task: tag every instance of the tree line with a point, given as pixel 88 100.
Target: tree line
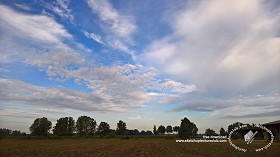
pixel 8 132
pixel 87 126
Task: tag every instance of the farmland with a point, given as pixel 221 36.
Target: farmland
pixel 124 147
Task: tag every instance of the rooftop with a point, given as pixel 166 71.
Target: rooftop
pixel 271 123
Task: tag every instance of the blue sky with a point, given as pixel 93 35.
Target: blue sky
pixel 144 62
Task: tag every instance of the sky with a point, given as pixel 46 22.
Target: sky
pixel 144 62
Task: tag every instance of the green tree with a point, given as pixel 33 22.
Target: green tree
pixel 64 127
pixel 176 128
pixel 210 132
pixel 121 128
pixel 41 127
pixel 169 129
pixel 16 133
pixel 223 132
pixel 161 129
pixel 103 128
pixel 155 130
pixel 234 125
pixel 85 126
pixel 148 132
pixel 187 128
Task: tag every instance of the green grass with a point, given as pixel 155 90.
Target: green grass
pixel 22 147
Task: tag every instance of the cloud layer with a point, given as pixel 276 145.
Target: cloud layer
pixel 228 49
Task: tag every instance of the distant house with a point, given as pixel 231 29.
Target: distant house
pixel 274 127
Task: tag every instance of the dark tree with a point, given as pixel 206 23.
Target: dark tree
pixel 210 132
pixel 176 128
pixel 5 132
pixel 85 126
pixel 40 127
pixel 187 128
pixel 169 129
pixel 121 128
pixel 234 125
pixel 223 132
pixel 103 128
pixel 148 132
pixel 155 130
pixel 16 133
pixel 64 127
pixel 136 132
pixel 143 132
pixel 161 129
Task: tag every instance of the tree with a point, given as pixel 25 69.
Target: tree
pixel 143 132
pixel 85 126
pixel 121 128
pixel 161 129
pixel 136 132
pixel 187 128
pixel 5 132
pixel 64 127
pixel 16 133
pixel 235 135
pixel 210 132
pixel 148 132
pixel 223 132
pixel 103 128
pixel 155 130
pixel 176 128
pixel 234 125
pixel 169 129
pixel 40 127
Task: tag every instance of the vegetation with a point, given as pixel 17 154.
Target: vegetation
pixel 41 127
pixel 210 132
pixel 121 128
pixel 176 128
pixel 155 130
pixel 223 132
pixel 169 129
pixel 64 127
pixel 187 128
pixel 85 126
pixel 161 129
pixel 8 132
pixel 103 129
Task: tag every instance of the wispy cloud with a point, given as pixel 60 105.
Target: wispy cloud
pixel 60 8
pixel 93 36
pixel 117 27
pixel 23 6
pixel 120 25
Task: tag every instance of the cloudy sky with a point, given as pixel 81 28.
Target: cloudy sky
pixel 144 62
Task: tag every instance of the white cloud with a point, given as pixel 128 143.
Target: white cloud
pixel 118 24
pixel 222 47
pixel 36 27
pixel 25 36
pixel 93 36
pixel 23 6
pixel 60 8
pixel 117 27
pixel 39 41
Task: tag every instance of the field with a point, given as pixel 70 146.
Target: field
pixel 124 147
